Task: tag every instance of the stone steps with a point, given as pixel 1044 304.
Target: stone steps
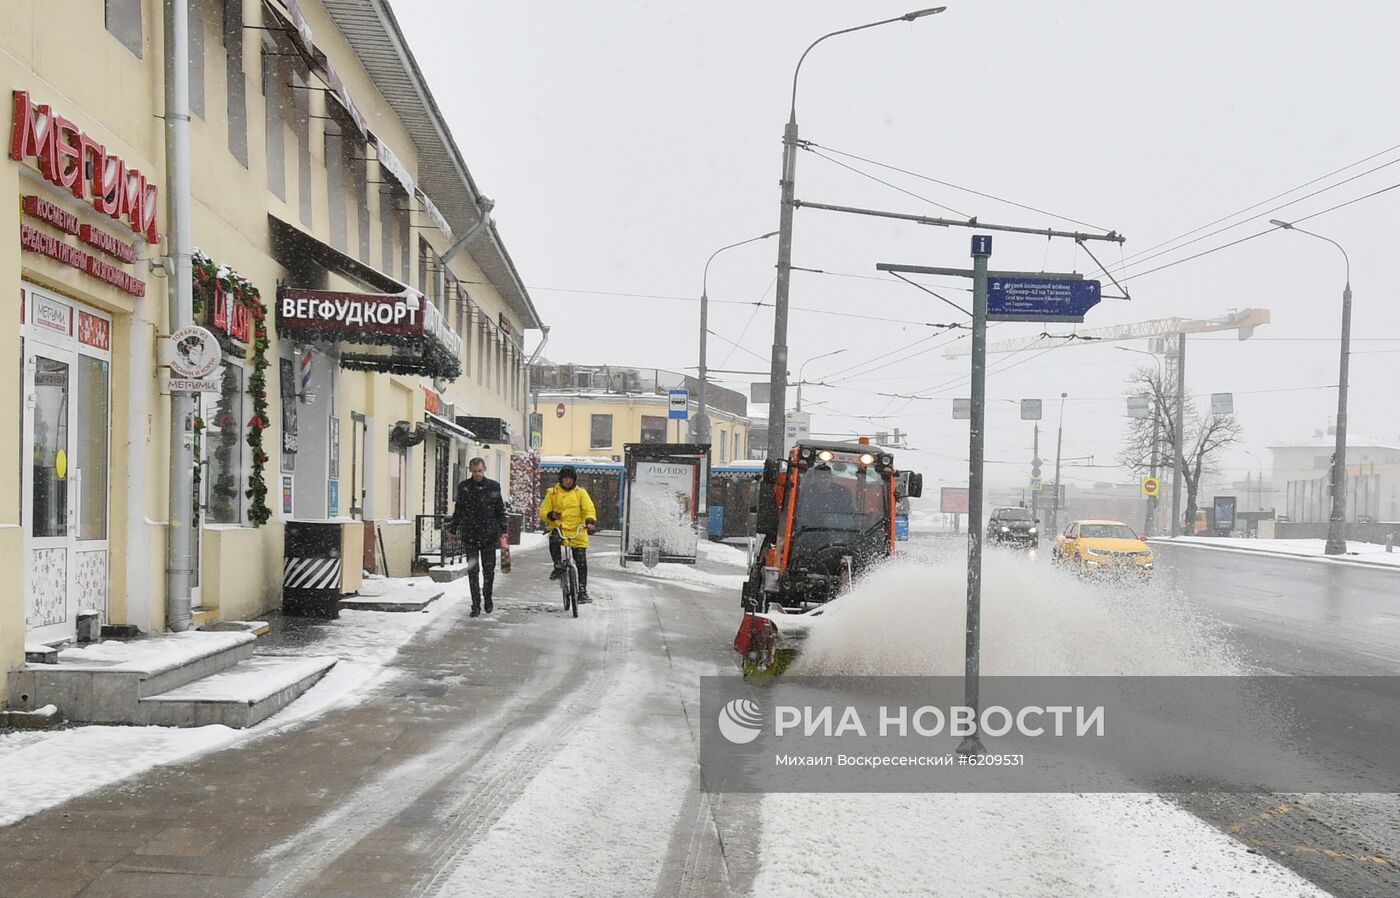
pixel 238 697
pixel 175 679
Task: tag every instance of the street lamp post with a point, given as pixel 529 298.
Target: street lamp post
pixel 800 371
pixel 1336 528
pixel 778 373
pixel 700 427
pixel 1059 443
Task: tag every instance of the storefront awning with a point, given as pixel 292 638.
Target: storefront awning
pixel 398 333
pixel 443 427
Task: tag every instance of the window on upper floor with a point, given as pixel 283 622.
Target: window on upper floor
pixel 301 127
pixel 336 191
pixel 274 94
pixel 123 19
pixel 653 428
pixel 237 81
pixel 600 432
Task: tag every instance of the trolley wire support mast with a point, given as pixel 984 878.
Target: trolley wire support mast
pixel 1017 296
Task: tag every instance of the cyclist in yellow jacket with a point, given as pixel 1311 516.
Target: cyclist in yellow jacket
pixel 568 506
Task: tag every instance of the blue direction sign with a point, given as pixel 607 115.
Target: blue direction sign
pixel 1036 299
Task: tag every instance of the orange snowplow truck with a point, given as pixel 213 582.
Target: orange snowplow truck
pixel 824 515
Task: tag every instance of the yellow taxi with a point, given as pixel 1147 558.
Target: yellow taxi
pixel 1102 546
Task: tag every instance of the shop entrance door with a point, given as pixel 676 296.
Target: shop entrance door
pixel 65 384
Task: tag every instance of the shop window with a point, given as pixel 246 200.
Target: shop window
pixel 91 434
pixel 123 18
pixel 398 482
pixel 600 432
pixel 481 352
pixel 52 382
pixel 738 446
pixel 237 81
pixel 223 439
pixel 653 429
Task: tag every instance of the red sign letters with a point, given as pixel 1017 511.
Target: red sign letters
pixel 75 161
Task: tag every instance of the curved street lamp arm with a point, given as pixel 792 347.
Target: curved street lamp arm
pixel 907 17
pixel 1340 249
pixel 705 280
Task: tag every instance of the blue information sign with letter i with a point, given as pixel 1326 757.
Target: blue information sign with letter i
pixel 981 244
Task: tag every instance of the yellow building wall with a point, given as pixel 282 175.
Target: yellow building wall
pixel 570 435
pixel 72 63
pixel 70 60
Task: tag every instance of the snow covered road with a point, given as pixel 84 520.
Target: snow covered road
pixel 528 753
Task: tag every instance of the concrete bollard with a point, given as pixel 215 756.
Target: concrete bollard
pixel 89 626
pixel 1390 542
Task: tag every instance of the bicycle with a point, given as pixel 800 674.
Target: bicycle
pixel 568 581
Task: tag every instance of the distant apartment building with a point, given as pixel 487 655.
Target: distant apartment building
pixel 593 410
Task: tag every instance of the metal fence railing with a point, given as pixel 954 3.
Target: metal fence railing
pixel 434 542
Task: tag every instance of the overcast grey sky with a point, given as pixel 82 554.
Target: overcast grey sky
pixel 625 141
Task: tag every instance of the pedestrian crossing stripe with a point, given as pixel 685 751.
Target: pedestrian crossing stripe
pixel 311 573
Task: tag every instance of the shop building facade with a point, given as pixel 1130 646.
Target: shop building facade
pixel 370 321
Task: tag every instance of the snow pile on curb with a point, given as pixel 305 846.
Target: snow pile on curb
pixel 1369 553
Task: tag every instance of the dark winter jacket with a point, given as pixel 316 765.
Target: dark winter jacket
pixel 480 514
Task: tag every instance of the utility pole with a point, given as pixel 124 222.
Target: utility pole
pixel 1179 436
pixel 1059 443
pixel 1035 473
pixel 981 249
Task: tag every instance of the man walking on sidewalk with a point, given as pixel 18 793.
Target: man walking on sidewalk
pixel 480 520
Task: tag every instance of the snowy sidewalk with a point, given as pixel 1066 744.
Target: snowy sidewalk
pixel 1358 553
pixel 40 769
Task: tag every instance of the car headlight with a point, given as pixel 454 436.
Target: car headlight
pixel 867 459
pixel 1033 531
pixel 1093 551
pixel 1006 530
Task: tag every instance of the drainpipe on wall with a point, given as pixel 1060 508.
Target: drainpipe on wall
pixel 485 205
pixel 529 386
pixel 179 295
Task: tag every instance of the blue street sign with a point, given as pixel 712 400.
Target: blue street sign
pixel 1034 299
pixel 679 407
pixel 981 244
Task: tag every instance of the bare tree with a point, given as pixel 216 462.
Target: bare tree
pixel 1151 441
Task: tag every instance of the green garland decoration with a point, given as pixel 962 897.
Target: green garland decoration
pixel 208 278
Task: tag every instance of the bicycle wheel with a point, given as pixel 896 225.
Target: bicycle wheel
pixel 564 587
pixel 572 576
